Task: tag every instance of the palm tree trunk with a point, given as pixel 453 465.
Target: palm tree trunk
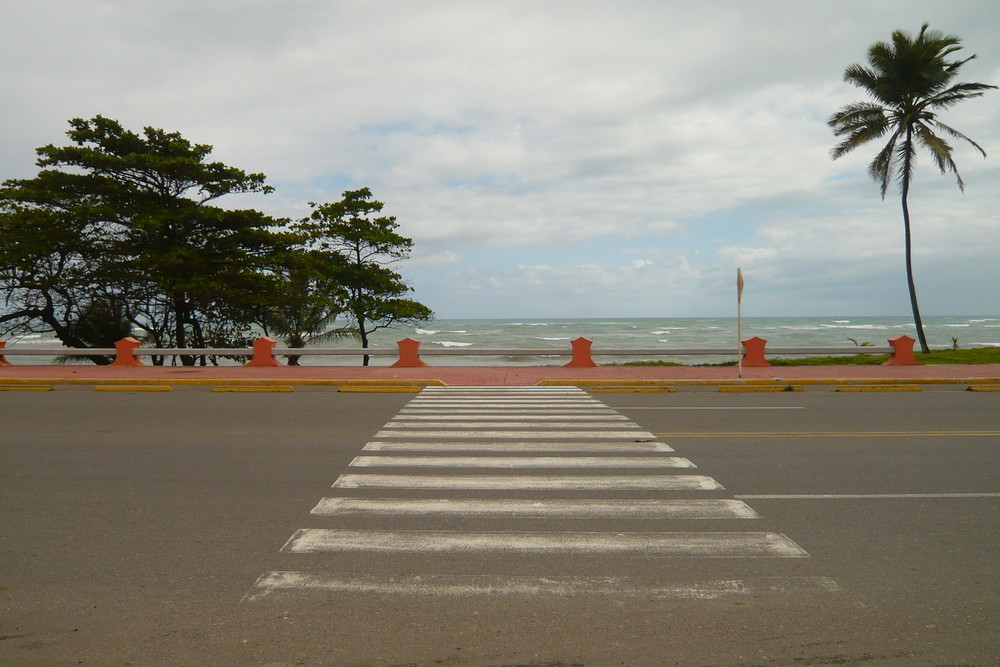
pixel 909 255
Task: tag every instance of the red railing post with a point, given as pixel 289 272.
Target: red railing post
pixel 125 356
pixel 902 352
pixel 581 353
pixel 3 360
pixel 753 352
pixel 409 354
pixel 263 352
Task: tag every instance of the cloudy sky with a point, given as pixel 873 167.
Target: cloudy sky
pixel 548 158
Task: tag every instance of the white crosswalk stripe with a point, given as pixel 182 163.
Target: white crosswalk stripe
pixel 530 482
pixel 450 585
pixel 521 434
pixel 688 508
pixel 566 441
pixel 519 462
pixel 514 447
pixel 692 544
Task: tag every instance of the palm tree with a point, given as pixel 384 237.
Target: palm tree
pixel 910 80
pixel 306 326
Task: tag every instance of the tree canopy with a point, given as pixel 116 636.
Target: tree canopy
pixel 375 294
pixel 119 231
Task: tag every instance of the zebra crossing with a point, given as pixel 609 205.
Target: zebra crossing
pixel 496 455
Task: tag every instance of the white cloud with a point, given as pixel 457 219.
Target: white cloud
pixel 668 142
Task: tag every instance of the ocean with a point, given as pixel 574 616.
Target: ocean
pixel 639 333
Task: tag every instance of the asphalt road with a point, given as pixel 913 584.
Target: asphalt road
pixel 136 529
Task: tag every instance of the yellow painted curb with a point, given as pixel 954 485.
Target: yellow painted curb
pixel 26 387
pixel 983 387
pixel 221 382
pixel 392 383
pixel 687 382
pixel 133 387
pixel 254 388
pixel 386 389
pixel 878 387
pixel 645 389
pixel 735 388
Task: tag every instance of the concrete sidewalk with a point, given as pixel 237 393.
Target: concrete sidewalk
pixel 17 375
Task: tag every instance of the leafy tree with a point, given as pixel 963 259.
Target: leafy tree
pixel 375 294
pixel 126 217
pixel 910 81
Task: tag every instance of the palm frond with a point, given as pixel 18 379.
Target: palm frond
pixel 884 164
pixel 340 333
pixel 957 93
pixel 958 135
pixel 940 150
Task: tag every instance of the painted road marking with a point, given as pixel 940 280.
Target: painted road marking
pixel 486 420
pixel 827 434
pixel 531 482
pixel 865 496
pixel 517 435
pixel 686 508
pixel 452 585
pixel 502 404
pixel 507 411
pixel 547 421
pixel 721 407
pixel 541 447
pixel 507 424
pixel 664 545
pixel 520 462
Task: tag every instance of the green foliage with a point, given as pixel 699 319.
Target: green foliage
pixel 124 218
pixel 975 355
pixel 374 295
pixel 910 81
pixel 119 231
pixel 972 355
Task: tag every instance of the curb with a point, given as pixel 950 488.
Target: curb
pixel 596 386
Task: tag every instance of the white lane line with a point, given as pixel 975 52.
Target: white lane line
pixel 621 434
pixel 606 423
pixel 477 417
pixel 864 496
pixel 530 482
pixel 611 447
pixel 474 389
pixel 456 585
pixel 505 404
pixel 664 545
pixel 520 462
pixel 721 407
pixel 711 508
pixel 533 410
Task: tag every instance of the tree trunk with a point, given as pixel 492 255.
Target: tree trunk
pixel 180 318
pixel 909 254
pixel 364 339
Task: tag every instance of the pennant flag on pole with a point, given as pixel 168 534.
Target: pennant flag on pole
pixel 739 321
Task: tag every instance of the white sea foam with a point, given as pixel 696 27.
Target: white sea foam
pixel 553 338
pixel 450 343
pixel 425 332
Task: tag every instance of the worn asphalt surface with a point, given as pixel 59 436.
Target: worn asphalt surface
pixel 133 527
